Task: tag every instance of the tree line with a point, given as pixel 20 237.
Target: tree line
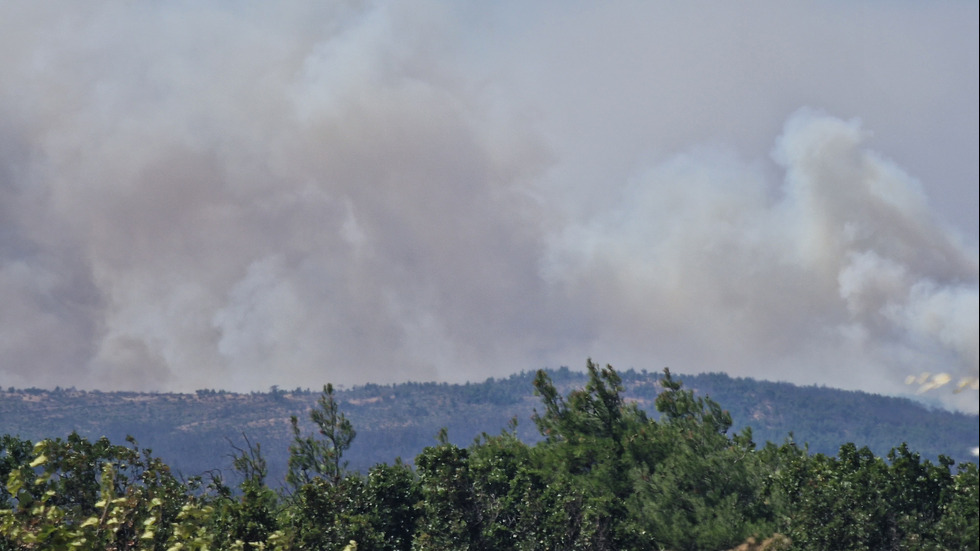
pixel 604 476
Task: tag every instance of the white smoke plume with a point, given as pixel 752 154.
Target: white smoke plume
pixel 843 275
pixel 212 194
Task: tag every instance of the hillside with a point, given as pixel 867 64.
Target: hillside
pixel 196 432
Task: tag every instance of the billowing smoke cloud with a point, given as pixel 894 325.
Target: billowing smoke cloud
pixel 843 275
pixel 207 195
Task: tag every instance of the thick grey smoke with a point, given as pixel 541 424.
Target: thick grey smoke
pixel 212 194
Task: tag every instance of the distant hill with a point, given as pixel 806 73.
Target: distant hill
pixel 195 433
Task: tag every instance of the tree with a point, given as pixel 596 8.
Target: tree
pixel 311 458
pixel 450 511
pixel 76 492
pixel 695 487
pixel 248 519
pixel 959 527
pixel 391 499
pixel 858 501
pixel 587 451
pixel 330 507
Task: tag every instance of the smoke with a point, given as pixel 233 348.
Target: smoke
pixel 843 275
pixel 207 195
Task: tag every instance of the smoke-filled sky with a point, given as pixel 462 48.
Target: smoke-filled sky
pixel 236 195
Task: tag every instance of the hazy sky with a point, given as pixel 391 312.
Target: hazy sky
pixel 240 194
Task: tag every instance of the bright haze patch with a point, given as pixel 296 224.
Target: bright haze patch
pixel 239 195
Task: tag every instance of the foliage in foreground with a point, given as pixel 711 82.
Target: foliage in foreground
pixel 605 477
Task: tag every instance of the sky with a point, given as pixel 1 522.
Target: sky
pixel 235 195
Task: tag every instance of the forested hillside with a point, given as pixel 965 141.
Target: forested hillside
pixel 603 475
pixel 195 432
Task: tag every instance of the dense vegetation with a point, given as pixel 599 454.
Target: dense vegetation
pixel 193 433
pixel 603 476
